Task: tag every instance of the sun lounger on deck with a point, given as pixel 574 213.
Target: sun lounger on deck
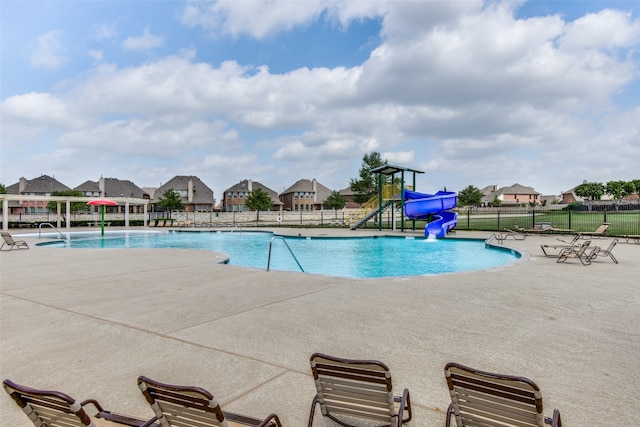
pixel 47 408
pixel 351 390
pixel 515 235
pixel 607 252
pixel 579 252
pixel 635 238
pixel 600 232
pixel 8 240
pixel 537 229
pixel 481 398
pixel 553 251
pixel 182 406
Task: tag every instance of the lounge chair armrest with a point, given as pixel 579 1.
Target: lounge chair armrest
pixel 405 405
pixel 272 420
pixel 93 402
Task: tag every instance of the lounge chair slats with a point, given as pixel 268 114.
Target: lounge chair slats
pixel 55 409
pixel 188 406
pixel 483 399
pixel 361 389
pixel 579 252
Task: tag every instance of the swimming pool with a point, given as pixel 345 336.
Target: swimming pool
pixel 354 257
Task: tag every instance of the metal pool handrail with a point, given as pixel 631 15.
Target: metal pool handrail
pixel 290 251
pixel 50 225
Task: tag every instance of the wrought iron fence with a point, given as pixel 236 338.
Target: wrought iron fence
pixel 623 219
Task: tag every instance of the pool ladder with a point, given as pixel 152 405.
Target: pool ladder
pixel 50 225
pixel 290 251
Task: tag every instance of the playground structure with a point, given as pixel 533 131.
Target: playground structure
pixel 434 208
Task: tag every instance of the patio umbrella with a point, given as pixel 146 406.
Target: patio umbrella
pixel 103 203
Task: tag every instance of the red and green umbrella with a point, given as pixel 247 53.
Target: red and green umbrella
pixel 103 203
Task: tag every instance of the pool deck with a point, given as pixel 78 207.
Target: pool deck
pixel 89 322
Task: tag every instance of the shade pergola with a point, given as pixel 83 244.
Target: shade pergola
pixel 392 170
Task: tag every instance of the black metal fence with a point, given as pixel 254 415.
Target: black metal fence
pixel 623 220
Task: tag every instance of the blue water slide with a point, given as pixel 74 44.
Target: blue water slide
pixel 422 205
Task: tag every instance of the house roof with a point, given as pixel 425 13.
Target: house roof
pixel 88 186
pixel 516 189
pixel 114 187
pixel 347 191
pixel 41 185
pixel 201 192
pixel 307 185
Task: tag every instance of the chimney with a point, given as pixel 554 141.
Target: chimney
pixel 190 190
pixel 103 193
pixel 249 185
pixel 22 185
pixel 314 188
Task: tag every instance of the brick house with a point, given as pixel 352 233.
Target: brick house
pixel 113 187
pixel 195 194
pixel 512 195
pixel 349 194
pixel 43 185
pixel 305 195
pixel 234 197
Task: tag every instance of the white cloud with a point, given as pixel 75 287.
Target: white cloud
pixel 96 54
pixel 48 51
pixel 144 42
pixel 104 31
pixel 606 29
pixel 256 18
pixel 455 89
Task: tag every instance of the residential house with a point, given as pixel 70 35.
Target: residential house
pixel 113 187
pixel 43 185
pixel 570 195
pixel 349 194
pixel 195 194
pixel 305 195
pixel 512 195
pixel 234 197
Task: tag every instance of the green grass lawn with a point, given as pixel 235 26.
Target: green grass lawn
pixel 622 222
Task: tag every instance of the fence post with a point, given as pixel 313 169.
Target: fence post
pixel 605 214
pixel 469 219
pixel 498 220
pixel 569 226
pixel 533 217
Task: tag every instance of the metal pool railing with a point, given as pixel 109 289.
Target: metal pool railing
pixel 290 251
pixel 52 226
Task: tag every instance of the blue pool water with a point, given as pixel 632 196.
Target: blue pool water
pixel 362 257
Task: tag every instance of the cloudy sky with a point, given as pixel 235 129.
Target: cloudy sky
pixel 541 93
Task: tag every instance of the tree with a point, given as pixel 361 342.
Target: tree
pixel 3 189
pixel 335 201
pixel 496 202
pixel 74 206
pixel 367 185
pixel 470 196
pixel 590 190
pixel 171 200
pixel 258 200
pixel 616 189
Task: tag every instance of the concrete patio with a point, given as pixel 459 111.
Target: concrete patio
pixel 88 322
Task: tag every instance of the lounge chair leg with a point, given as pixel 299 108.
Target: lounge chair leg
pixel 313 410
